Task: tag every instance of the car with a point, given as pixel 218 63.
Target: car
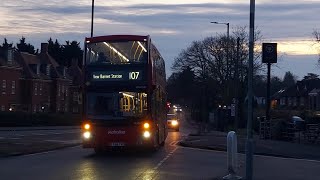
pixel 177 108
pixel 173 122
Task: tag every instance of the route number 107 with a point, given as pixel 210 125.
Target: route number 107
pixel 134 75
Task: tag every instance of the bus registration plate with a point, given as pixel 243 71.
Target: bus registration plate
pixel 117 144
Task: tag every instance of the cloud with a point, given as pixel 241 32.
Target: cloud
pixel 172 24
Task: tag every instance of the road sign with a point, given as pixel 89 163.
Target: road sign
pixel 269 52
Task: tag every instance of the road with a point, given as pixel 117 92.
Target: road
pixel 169 162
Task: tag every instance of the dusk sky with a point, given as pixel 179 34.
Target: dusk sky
pixel 173 25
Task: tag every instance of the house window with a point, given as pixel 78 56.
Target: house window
pixel 75 96
pixel 3 108
pixel 289 101
pixel 294 101
pixel 283 101
pixel 36 89
pixel 63 92
pixel 40 89
pixel 34 108
pixel 75 109
pixel 58 89
pixel 301 101
pixel 66 92
pixel 4 86
pixel 13 87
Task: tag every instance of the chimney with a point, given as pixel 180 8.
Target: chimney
pixel 10 55
pixel 44 48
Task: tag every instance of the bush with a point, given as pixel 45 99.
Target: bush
pixel 277 129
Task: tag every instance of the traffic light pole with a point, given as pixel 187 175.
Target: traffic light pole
pixel 268 101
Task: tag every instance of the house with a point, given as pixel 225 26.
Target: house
pixel 75 72
pixel 10 74
pixel 37 83
pixel 297 96
pixel 44 83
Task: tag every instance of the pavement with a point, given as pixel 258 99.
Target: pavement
pixel 218 141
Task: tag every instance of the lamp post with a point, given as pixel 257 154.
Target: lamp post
pixel 214 22
pixel 92 14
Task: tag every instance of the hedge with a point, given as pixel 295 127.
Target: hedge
pixel 38 119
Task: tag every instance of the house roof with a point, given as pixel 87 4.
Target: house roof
pixel 35 66
pixel 75 73
pixel 301 88
pixel 14 63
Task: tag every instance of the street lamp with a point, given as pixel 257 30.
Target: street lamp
pixel 92 14
pixel 214 22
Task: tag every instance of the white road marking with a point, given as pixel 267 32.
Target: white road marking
pixel 164 159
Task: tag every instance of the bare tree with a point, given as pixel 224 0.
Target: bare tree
pixel 316 35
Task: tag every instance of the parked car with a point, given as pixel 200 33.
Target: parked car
pixel 173 122
pixel 298 122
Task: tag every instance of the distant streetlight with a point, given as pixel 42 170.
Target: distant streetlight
pixel 214 22
pixel 92 14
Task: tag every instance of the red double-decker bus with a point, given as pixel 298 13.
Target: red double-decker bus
pixel 124 93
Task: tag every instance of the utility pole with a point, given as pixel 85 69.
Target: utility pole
pixel 249 143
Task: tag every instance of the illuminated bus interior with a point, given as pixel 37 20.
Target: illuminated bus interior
pixel 113 52
pixel 117 104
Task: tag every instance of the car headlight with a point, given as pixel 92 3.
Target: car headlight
pixel 174 123
pixel 146 134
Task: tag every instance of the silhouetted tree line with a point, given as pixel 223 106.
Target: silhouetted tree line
pixel 62 53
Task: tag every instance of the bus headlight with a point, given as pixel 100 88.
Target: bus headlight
pixel 86 126
pixel 174 123
pixel 146 134
pixel 146 125
pixel 87 135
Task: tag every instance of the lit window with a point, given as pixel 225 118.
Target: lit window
pixel 13 87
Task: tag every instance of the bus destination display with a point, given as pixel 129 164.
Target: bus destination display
pixel 116 76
